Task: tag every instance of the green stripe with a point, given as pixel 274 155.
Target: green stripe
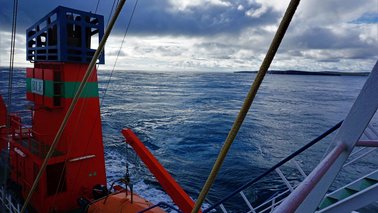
pixel 48 88
pixel 28 84
pixel 68 89
pixel 90 90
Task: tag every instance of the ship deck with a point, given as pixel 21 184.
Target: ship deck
pixel 37 148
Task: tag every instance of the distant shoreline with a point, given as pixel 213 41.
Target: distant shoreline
pixel 276 72
pixel 298 72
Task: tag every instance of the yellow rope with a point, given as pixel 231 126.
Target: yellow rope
pixel 74 101
pixel 248 100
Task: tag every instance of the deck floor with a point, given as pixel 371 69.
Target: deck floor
pixel 37 148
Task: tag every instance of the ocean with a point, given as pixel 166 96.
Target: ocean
pixel 184 118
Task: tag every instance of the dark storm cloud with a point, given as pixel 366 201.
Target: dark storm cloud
pixel 348 45
pixel 217 50
pixel 197 20
pixel 363 53
pixel 329 60
pixel 153 17
pixel 324 38
pixel 30 12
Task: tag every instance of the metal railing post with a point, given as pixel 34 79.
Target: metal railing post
pixel 247 202
pixel 300 169
pixel 282 176
pixel 282 162
pixel 222 208
pixel 307 196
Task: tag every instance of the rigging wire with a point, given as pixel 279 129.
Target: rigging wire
pixel 11 59
pixel 109 79
pixel 111 11
pixel 118 53
pixel 0 43
pixel 110 14
pixel 10 83
pixel 76 130
pixel 73 104
pixel 280 33
pixel 61 177
pixel 93 126
pixel 98 2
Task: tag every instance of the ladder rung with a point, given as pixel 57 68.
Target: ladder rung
pixel 327 201
pixel 373 176
pixel 341 194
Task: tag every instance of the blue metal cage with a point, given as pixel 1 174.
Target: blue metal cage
pixel 65 35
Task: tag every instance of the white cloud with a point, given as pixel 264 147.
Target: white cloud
pixel 333 12
pixel 256 13
pixel 278 5
pixel 368 33
pixel 20 52
pixel 322 36
pixel 186 4
pixel 240 7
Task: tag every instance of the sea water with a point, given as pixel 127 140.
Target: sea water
pixel 184 118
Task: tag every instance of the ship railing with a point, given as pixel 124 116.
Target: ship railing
pixel 163 205
pixel 270 170
pixel 8 203
pixel 362 150
pixel 17 125
pixel 311 193
pixel 365 146
pixel 27 137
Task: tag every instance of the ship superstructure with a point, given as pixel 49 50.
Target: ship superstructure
pixel 59 45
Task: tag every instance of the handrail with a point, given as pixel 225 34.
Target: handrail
pixel 22 131
pixel 29 136
pixel 307 196
pixel 7 201
pixel 367 143
pixel 161 204
pixel 303 190
pixel 294 154
pixel 359 157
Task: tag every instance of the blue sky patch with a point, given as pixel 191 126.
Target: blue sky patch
pixel 367 18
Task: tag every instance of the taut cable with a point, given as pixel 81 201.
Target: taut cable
pixel 290 11
pixel 73 104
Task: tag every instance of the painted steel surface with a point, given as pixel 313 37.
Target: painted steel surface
pixel 59 67
pixel 65 35
pixel 119 202
pixel 174 190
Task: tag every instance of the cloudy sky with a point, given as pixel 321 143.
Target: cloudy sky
pixel 220 35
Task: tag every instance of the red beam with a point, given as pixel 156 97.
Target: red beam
pixel 367 143
pixel 174 190
pixel 3 112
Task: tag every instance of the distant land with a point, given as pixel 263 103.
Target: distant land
pixel 279 72
pixel 299 72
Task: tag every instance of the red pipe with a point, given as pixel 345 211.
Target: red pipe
pixel 174 190
pixel 367 143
